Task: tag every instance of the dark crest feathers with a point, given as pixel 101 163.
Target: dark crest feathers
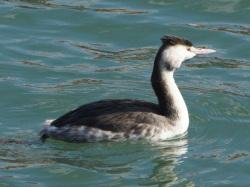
pixel 173 40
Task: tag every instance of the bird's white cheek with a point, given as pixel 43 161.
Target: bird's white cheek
pixel 173 58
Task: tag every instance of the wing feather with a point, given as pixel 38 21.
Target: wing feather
pixel 113 115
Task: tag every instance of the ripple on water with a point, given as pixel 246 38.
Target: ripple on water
pixel 230 28
pixel 212 82
pixel 69 85
pixel 122 160
pixel 97 51
pixel 238 155
pixel 80 6
pixel 223 88
pixel 120 11
pixel 34 64
pixel 59 54
pixel 219 62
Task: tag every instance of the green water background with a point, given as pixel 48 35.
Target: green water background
pixel 57 55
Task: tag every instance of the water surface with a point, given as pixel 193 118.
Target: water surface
pixel 57 55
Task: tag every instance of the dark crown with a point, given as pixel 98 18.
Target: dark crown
pixel 173 40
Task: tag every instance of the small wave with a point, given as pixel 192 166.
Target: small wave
pixel 68 84
pixel 32 4
pixel 138 54
pixel 119 11
pixel 215 90
pixel 220 63
pixel 33 63
pixel 236 156
pixel 235 29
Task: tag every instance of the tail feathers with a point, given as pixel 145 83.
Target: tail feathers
pixel 43 135
pixel 48 122
pixel 44 132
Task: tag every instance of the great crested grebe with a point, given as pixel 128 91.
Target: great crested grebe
pixel 134 119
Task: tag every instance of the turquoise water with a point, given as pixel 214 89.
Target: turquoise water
pixel 57 55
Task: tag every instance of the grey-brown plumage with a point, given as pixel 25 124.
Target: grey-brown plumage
pixel 114 119
pixel 106 114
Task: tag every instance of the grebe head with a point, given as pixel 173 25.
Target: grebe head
pixel 176 50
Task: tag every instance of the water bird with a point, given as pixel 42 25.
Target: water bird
pixel 108 120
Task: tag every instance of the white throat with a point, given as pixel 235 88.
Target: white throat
pixel 178 102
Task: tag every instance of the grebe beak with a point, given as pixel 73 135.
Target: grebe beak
pixel 201 51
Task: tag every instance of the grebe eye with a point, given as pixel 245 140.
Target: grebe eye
pixel 189 49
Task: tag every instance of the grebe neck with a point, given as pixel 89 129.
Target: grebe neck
pixel 171 102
